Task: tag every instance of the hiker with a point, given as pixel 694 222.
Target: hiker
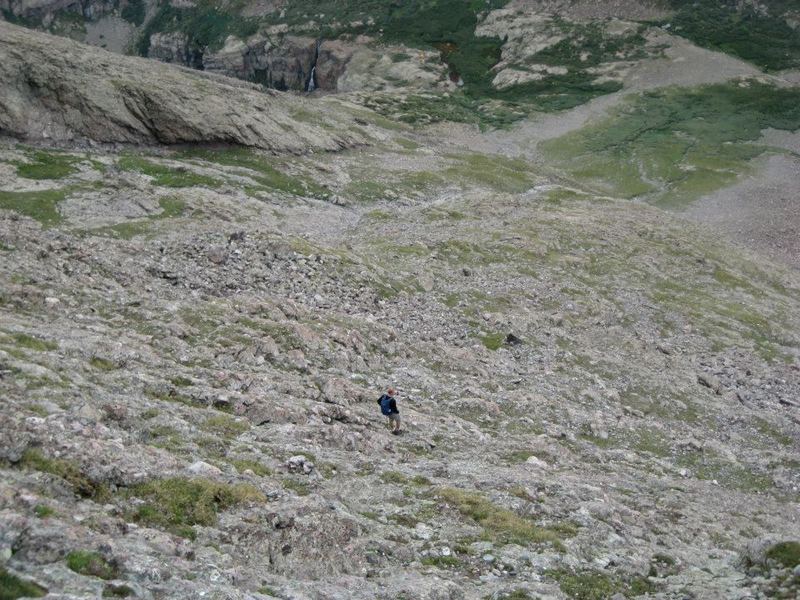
pixel 389 409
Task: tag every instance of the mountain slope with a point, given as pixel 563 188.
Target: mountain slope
pixel 599 398
pixel 57 89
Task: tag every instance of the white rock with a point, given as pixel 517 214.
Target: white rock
pixel 423 531
pixel 203 468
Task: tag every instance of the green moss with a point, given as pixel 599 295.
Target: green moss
pixel 497 172
pixel 33 343
pixel 40 205
pixel 708 466
pixel 103 364
pixel 47 165
pixel 594 585
pixel 514 595
pixel 12 587
pixel 163 175
pixel 181 381
pixel 394 477
pixel 170 207
pixel 300 488
pixel 499 524
pixel 766 428
pixel 676 144
pixel 261 169
pixel 117 591
pixel 441 562
pixel 225 426
pixel 786 554
pixel 652 442
pixel 91 564
pixel 519 456
pixel 424 109
pixel 66 470
pixel 43 511
pixel 176 504
pixel 256 467
pixel 493 341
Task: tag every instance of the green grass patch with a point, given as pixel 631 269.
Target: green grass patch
pixel 594 585
pixel 766 428
pixel 441 562
pixel 91 564
pixel 167 176
pixel 43 511
pixel 500 525
pixel 40 205
pixel 493 341
pixel 513 595
pixel 68 471
pixel 786 554
pixel 301 488
pixel 177 504
pixel 226 426
pixel 256 467
pixel 24 340
pixel 758 34
pixel 103 364
pixel 260 169
pixel 674 145
pixel 170 207
pixel 394 477
pixel 497 172
pixel 47 165
pixel 12 587
pixel 458 107
pixel 708 467
pixel 117 591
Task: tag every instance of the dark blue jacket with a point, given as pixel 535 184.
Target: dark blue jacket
pixel 388 405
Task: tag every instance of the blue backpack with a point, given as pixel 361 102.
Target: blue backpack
pixel 386 405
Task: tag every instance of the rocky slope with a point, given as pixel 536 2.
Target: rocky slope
pixel 59 90
pixel 499 49
pixel 600 399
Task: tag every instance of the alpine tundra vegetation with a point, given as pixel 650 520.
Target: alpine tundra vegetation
pixel 565 232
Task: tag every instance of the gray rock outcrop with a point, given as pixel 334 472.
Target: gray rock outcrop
pixel 58 89
pixel 283 64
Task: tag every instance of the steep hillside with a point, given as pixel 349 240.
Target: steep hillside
pixel 504 57
pixel 59 90
pixel 205 287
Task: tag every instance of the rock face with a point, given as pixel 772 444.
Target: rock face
pixel 332 60
pixel 169 48
pixel 283 65
pixel 57 89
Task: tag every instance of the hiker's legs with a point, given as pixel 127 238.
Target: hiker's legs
pixel 395 421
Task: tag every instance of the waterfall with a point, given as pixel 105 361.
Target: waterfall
pixel 312 79
pixel 312 84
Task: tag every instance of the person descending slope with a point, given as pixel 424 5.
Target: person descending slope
pixel 389 409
